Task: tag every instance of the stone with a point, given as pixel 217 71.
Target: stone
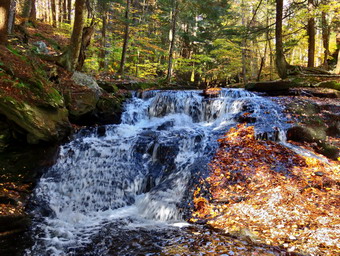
pixel 87 81
pixel 41 47
pixel 40 123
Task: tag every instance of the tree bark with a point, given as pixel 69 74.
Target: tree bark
pixel 64 10
pixel 172 39
pixel 69 10
pixel 311 35
pixel 85 43
pixel 11 18
pixel 33 12
pixel 102 52
pixel 281 63
pixel 26 10
pixel 5 6
pixel 71 56
pixel 325 39
pixel 244 47
pixel 54 13
pixel 126 37
pixel 337 69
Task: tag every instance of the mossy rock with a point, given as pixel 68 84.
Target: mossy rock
pixel 82 102
pixel 332 84
pixel 40 124
pixel 306 134
pixel 271 86
pixel 304 107
pixel 329 150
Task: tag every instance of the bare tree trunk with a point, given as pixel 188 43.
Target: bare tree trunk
pixel 102 52
pixel 69 10
pixel 311 35
pixel 72 55
pixel 26 10
pixel 65 10
pixel 5 6
pixel 54 13
pixel 85 43
pixel 281 63
pixel 244 46
pixel 126 37
pixel 325 39
pixel 60 13
pixel 337 69
pixel 33 13
pixel 172 39
pixel 11 18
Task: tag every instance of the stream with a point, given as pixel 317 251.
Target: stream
pixel 126 189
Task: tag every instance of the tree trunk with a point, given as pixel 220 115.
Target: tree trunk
pixel 85 43
pixel 281 63
pixel 72 55
pixel 126 37
pixel 244 46
pixel 54 13
pixel 172 39
pixel 64 10
pixel 311 35
pixel 60 13
pixel 102 52
pixel 5 6
pixel 337 69
pixel 33 13
pixel 325 39
pixel 26 10
pixel 11 18
pixel 69 11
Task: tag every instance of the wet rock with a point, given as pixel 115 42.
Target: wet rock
pixel 245 118
pixel 165 125
pixel 101 131
pixel 329 150
pixel 319 173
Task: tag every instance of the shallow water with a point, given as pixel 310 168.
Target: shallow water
pixel 125 189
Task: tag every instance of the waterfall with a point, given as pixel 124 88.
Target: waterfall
pixel 138 171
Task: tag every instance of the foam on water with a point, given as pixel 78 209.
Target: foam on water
pixel 139 170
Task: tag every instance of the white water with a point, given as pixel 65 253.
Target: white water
pixel 139 170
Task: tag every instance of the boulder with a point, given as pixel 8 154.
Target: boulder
pixel 40 124
pixel 83 99
pixel 306 134
pixel 87 81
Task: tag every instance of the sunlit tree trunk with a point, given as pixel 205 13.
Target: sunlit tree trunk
pixel 11 18
pixel 102 52
pixel 244 46
pixel 54 13
pixel 126 37
pixel 337 69
pixel 311 35
pixel 172 38
pixel 5 6
pixel 325 38
pixel 281 63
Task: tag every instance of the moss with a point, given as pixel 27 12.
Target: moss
pixel 330 84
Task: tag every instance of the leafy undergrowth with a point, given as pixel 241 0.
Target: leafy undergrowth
pixel 270 194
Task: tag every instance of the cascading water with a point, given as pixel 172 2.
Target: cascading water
pixel 136 174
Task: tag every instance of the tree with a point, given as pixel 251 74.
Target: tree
pixel 4 18
pixel 126 37
pixel 174 13
pixel 71 56
pixel 311 34
pixel 281 63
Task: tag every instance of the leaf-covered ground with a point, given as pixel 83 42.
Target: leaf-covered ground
pixel 266 192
